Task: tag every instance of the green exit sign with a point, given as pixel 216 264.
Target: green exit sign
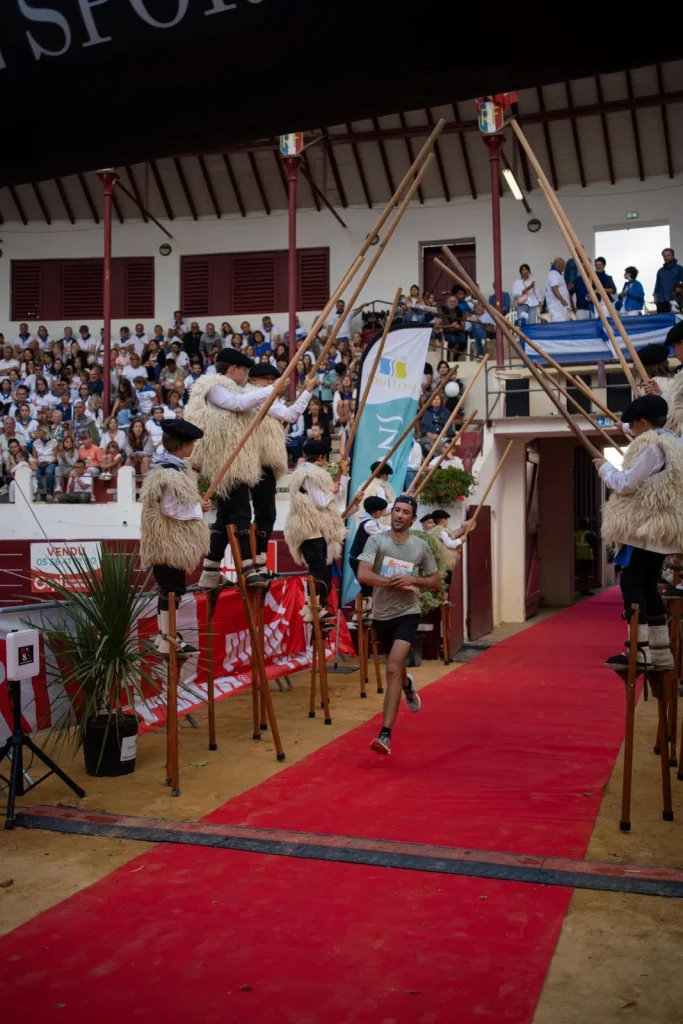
pixel 632 215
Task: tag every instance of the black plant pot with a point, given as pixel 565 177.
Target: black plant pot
pixel 110 751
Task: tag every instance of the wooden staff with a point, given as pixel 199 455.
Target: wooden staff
pixel 585 274
pixel 570 398
pixel 472 521
pixel 462 277
pixel 373 262
pixel 371 377
pixel 449 421
pixel 441 457
pixel 583 263
pixel 172 769
pixel 411 426
pixel 631 676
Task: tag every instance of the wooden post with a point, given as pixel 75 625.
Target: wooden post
pixel 631 676
pixel 360 638
pixel 172 768
pixel 366 391
pixel 211 601
pixel 672 682
pixel 319 642
pixel 445 632
pixel 662 705
pixel 375 658
pixel 314 665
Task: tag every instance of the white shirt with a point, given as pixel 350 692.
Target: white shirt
pixel 181 360
pixel 147 399
pixel 45 452
pixel 415 457
pixel 179 327
pixel 273 335
pixel 345 329
pixel 155 431
pixel 189 381
pixel 23 342
pixel 6 365
pixel 108 437
pixel 290 413
pixel 449 462
pixel 250 399
pixel 170 507
pixel 139 342
pixel 131 372
pixel 532 298
pixel 370 525
pixel 322 500
pixel 449 542
pixel 557 311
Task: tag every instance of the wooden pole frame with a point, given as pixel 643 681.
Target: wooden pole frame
pixel 630 681
pixel 583 261
pixel 441 457
pixel 411 426
pixel 449 422
pixel 172 768
pixel 463 278
pixel 585 274
pixel 569 398
pixel 366 391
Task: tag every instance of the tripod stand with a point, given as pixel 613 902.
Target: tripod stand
pixel 15 746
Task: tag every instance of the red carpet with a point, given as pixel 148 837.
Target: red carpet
pixel 509 753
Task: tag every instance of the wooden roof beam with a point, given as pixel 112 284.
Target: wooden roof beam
pixel 235 186
pixel 439 159
pixel 336 173
pixel 465 156
pixel 605 130
pixel 156 173
pixel 189 198
pixel 41 202
pixel 384 159
pixel 309 178
pixel 411 155
pixel 136 193
pixel 209 186
pixel 17 202
pixel 65 200
pixel 88 197
pixel 361 171
pixel 665 121
pixel 548 140
pixel 575 136
pixel 259 182
pixel 635 128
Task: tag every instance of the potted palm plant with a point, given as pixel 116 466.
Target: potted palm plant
pixel 105 666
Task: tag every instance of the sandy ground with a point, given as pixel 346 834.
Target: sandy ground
pixel 619 957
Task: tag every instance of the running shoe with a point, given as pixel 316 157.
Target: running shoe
pixel 410 696
pixel 381 744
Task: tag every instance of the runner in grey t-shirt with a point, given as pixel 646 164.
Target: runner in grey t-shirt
pixel 389 564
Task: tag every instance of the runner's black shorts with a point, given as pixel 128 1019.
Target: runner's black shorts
pixel 404 627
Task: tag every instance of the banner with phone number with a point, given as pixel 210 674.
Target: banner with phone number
pixel 286 646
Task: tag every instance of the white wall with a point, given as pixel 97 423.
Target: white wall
pixel 658 200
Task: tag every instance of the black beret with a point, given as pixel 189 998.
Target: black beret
pixel 233 357
pixel 317 448
pixel 374 504
pixel 425 518
pixel 675 335
pixel 264 370
pixel 182 429
pixel 387 469
pixel 650 355
pixel 440 513
pixel 647 407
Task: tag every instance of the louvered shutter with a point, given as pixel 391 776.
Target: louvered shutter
pixel 253 282
pixel 139 287
pixel 194 285
pixel 26 289
pixel 314 279
pixel 82 289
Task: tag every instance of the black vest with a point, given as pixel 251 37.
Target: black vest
pixel 359 541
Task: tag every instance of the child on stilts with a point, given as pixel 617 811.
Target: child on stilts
pixel 174 534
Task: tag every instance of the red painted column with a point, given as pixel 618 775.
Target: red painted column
pixel 494 144
pixel 292 166
pixel 107 177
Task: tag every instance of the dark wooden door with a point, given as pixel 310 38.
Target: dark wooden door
pixel 434 280
pixel 479 581
pixel 456 597
pixel 587 515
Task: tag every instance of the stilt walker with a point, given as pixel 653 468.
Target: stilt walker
pixel 173 536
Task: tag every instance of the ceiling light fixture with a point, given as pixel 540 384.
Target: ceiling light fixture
pixel 512 183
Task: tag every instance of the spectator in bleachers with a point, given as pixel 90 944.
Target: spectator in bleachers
pixel 139 448
pixel 23 337
pixel 140 339
pixel 432 423
pixel 113 432
pixel 196 370
pixel 452 315
pixel 45 455
pixel 153 360
pixel 632 295
pixel 668 277
pixel 227 333
pixel 6 399
pixel 317 415
pixel 66 460
pixel 261 344
pixel 172 405
pixel 245 331
pixel 526 296
pixel 91 454
pixel 8 362
pixel 272 332
pixel 506 302
pixel 178 327
pixel 182 360
pixel 170 373
pixel 26 424
pixel 78 486
pixel 21 397
pixel 83 425
pixel 210 337
pixel 55 424
pixel 192 341
pixel 125 405
pixel 556 292
pixel 42 336
pixel 145 395
pixel 155 426
pixel 86 341
pixel 111 461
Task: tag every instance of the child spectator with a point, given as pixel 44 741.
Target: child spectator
pixel 111 461
pixel 79 485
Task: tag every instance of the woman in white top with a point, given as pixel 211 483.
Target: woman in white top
pixel 526 295
pixel 113 433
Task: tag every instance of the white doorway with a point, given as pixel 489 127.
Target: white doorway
pixel 634 247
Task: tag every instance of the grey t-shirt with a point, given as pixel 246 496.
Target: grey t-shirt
pixel 388 558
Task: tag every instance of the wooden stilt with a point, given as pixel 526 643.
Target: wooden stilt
pixel 172 769
pixel 631 676
pixel 375 658
pixel 360 637
pixel 319 645
pixel 259 599
pixel 672 681
pixel 661 694
pixel 211 601
pixel 314 671
pixel 259 677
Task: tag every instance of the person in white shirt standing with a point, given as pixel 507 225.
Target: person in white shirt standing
pixel 557 293
pixel 368 526
pixel 272 332
pixel 644 518
pixel 526 296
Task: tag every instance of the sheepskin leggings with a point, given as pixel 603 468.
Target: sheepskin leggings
pixel 638 582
